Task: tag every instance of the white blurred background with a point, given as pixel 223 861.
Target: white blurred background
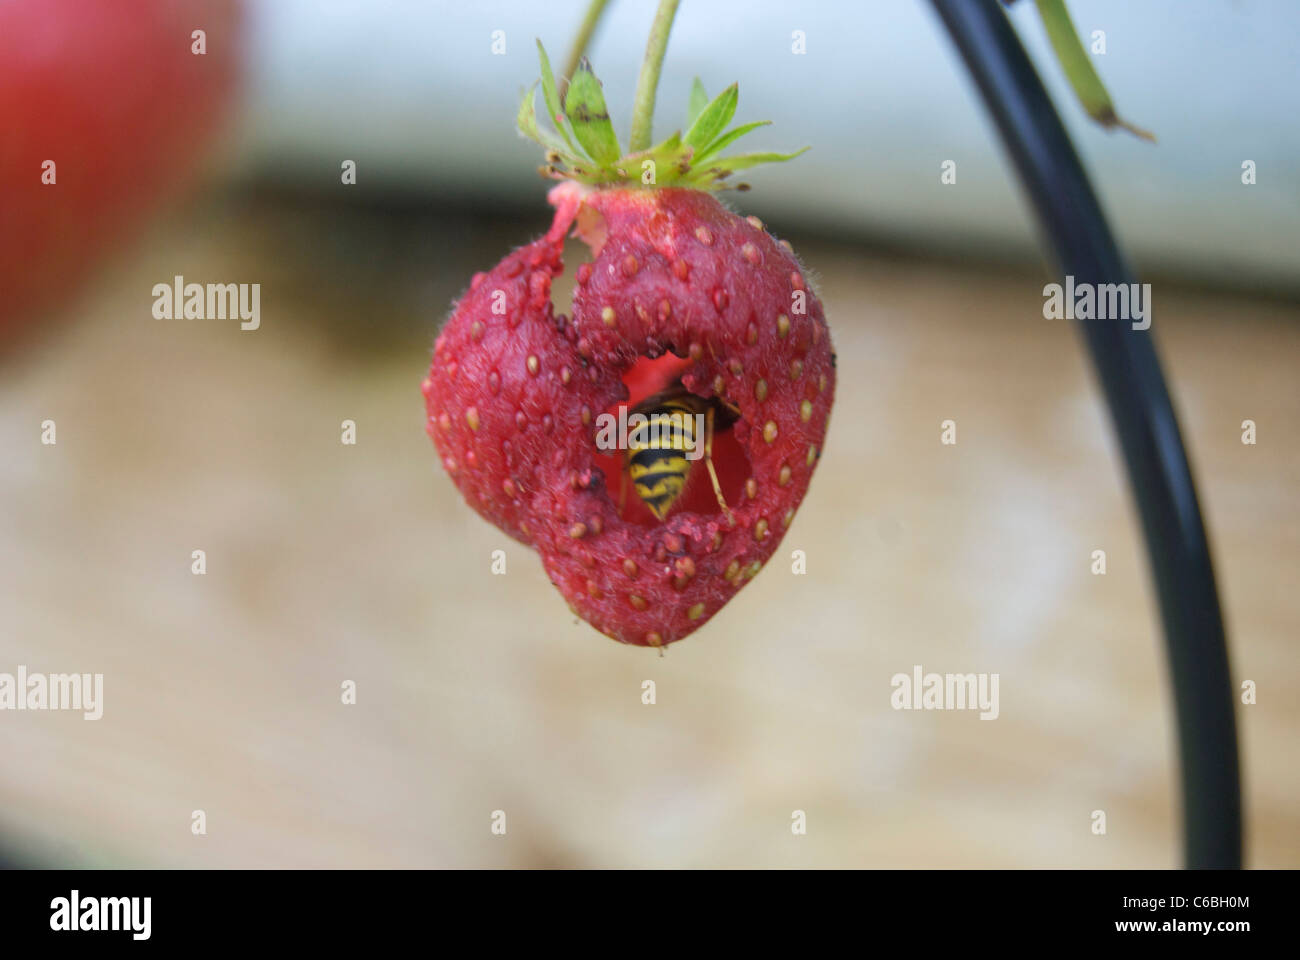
pixel 413 92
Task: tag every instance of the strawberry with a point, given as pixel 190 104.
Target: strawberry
pixel 680 291
pixel 120 105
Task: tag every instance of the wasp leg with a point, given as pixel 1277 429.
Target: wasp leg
pixel 713 474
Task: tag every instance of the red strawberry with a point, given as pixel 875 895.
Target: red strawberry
pixel 117 100
pixel 498 392
pixel 679 288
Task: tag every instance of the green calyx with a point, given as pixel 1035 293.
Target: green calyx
pixel 585 147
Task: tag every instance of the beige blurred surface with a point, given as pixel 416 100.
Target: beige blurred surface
pixel 477 692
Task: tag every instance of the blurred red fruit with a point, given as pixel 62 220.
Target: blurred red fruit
pixel 115 97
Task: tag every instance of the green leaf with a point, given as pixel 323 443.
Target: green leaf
pixel 743 161
pixel 669 158
pixel 551 94
pixel 549 90
pixel 668 148
pixel 527 123
pixel 727 139
pixel 527 119
pixel 584 104
pixel 699 100
pixel 713 119
pixel 1078 68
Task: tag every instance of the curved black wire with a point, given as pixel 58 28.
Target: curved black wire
pixel 1129 371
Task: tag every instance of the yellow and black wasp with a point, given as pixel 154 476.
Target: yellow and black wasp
pixel 656 460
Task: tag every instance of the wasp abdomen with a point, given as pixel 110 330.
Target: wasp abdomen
pixel 657 454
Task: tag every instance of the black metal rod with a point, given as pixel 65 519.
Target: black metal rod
pixel 1129 371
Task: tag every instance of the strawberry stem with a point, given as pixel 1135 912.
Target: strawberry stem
pixel 647 84
pixel 580 41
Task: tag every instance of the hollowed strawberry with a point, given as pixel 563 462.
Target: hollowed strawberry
pixel 680 291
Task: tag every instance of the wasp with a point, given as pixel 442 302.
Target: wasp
pixel 658 460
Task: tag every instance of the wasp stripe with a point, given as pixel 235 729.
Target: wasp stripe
pixel 651 457
pixel 651 482
pixel 652 479
pixel 656 461
pixel 663 427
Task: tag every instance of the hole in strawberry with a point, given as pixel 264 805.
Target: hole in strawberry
pixel 644 380
pixel 581 248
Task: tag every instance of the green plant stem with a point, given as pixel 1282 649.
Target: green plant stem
pixel 647 84
pixel 580 41
pixel 1079 70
